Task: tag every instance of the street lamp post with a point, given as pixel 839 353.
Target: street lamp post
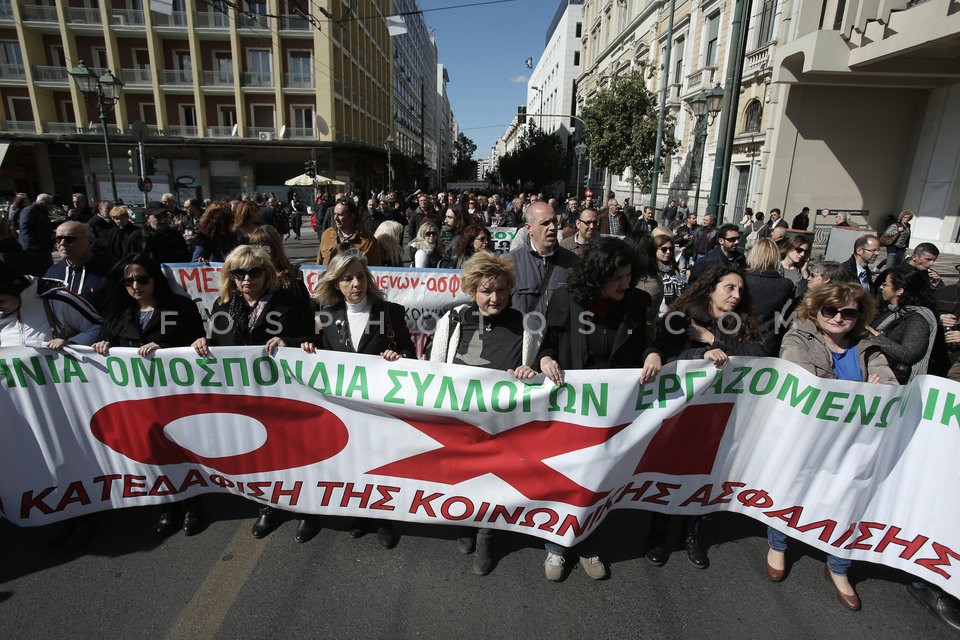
pixel 104 92
pixel 540 110
pixel 388 145
pixel 579 149
pixel 705 106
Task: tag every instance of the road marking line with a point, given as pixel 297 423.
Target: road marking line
pixel 203 616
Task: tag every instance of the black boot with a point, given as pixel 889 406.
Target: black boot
pixel 483 558
pixel 695 548
pixel 169 522
pixel 657 540
pixel 264 523
pixel 307 528
pixel 386 536
pixel 193 516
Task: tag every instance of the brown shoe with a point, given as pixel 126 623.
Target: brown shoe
pixel 852 602
pixel 777 575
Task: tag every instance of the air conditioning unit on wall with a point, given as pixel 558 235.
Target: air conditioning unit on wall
pixel 266 135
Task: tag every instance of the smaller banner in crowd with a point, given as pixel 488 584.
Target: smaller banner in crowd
pixel 861 471
pixel 426 294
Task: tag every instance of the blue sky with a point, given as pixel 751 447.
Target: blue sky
pixel 484 48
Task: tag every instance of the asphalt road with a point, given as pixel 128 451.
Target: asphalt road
pixel 223 583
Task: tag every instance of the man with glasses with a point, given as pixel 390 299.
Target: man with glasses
pixel 156 239
pixel 727 253
pixel 857 267
pixel 586 224
pixel 84 270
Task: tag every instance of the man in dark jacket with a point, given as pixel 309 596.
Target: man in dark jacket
pixel 726 254
pixel 84 270
pixel 102 226
pixel 36 230
pixel 157 239
pixel 614 220
pixel 857 267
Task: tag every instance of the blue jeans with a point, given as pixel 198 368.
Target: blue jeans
pixel 894 256
pixel 586 548
pixel 778 542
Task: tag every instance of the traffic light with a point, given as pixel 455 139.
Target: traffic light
pixel 310 168
pixel 522 115
pixel 148 168
pixel 133 161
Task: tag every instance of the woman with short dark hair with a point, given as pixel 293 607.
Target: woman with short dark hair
pixel 595 322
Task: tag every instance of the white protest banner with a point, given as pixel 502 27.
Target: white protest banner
pixel 861 471
pixel 426 294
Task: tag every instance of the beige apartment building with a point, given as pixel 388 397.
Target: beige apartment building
pixel 843 104
pixel 233 101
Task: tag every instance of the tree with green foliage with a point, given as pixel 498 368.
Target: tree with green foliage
pixel 622 124
pixel 538 160
pixel 464 166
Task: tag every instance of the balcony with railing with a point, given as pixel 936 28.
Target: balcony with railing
pixel 220 132
pixel 301 132
pixel 247 21
pixel 293 23
pixel 19 126
pixel 38 13
pixel 50 74
pixel 175 19
pixel 184 130
pixel 701 79
pixel 758 60
pixel 211 20
pixel 262 133
pixel 79 15
pixel 176 77
pixel 298 80
pixel 127 18
pixel 217 78
pixel 60 127
pixel 12 72
pixel 256 79
pixel 133 77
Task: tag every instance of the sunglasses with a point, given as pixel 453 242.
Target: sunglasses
pixel 666 249
pixel 66 239
pixel 430 233
pixel 138 279
pixel 240 274
pixel 801 250
pixel 828 312
pixel 732 240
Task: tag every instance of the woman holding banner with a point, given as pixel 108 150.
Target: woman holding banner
pixel 830 340
pixel 253 309
pixel 711 320
pixel 596 322
pixel 357 319
pixel 487 332
pixel 145 314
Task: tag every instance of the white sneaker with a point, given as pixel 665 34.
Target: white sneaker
pixel 594 567
pixel 553 567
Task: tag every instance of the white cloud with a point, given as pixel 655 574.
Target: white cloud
pixel 519 79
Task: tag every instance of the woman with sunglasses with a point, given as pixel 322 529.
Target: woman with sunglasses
pixel 794 256
pixel 667 271
pixel 144 313
pixel 425 248
pixel 357 319
pixel 712 320
pixel 829 339
pixel 253 309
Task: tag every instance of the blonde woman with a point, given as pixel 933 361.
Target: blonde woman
pixel 425 248
pixel 772 292
pixel 357 319
pixel 390 234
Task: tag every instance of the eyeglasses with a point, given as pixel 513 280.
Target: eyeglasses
pixel 66 239
pixel 802 250
pixel 732 240
pixel 588 223
pixel 665 249
pixel 138 279
pixel 829 312
pixel 240 274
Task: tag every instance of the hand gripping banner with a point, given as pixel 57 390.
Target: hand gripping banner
pixel 862 471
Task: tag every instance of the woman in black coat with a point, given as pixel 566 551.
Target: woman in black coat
pixel 145 314
pixel 596 322
pixel 254 310
pixel 356 318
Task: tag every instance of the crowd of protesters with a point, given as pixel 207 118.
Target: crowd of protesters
pixel 677 288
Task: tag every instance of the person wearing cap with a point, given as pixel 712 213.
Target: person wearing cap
pixel 156 239
pixel 42 313
pixel 36 231
pixel 83 269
